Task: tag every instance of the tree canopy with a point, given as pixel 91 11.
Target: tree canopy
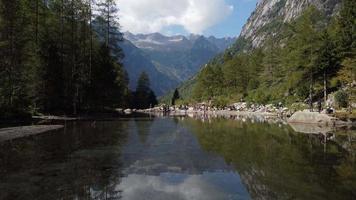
pixel 52 60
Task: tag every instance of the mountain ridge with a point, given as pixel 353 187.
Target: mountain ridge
pixel 168 60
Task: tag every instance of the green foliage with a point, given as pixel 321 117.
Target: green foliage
pixel 342 98
pixel 209 83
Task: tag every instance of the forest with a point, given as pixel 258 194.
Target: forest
pixel 63 57
pixel 301 61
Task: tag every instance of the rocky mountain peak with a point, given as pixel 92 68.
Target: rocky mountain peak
pixel 268 11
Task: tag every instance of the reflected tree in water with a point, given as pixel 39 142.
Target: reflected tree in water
pixel 276 163
pixel 80 162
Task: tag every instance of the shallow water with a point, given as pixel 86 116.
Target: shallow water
pixel 178 158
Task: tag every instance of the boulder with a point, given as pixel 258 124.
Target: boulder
pixel 308 117
pixel 128 111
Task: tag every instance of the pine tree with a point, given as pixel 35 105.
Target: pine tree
pixel 346 45
pixel 175 96
pixel 270 61
pixel 144 97
pixel 326 61
pixel 109 26
pixel 304 46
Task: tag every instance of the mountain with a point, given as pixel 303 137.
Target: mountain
pixel 136 61
pixel 168 60
pixel 270 15
pixel 256 67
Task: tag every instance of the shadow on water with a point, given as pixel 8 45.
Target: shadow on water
pixel 82 161
pixel 179 158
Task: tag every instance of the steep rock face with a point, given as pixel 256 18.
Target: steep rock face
pixel 280 11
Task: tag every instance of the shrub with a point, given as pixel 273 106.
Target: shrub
pixel 341 98
pixel 220 101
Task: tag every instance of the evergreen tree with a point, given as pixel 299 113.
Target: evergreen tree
pixel 326 62
pixel 270 61
pixel 345 34
pixel 105 91
pixel 209 84
pixel 144 97
pixel 175 96
pixel 108 26
pixel 346 46
pixel 304 48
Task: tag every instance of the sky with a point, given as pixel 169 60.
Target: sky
pixel 220 18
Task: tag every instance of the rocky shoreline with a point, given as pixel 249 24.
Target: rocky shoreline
pixel 261 112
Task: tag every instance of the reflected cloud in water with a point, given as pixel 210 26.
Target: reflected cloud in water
pixel 207 186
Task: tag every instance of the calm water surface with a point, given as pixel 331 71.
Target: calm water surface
pixel 178 159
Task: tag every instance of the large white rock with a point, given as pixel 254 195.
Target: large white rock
pixel 307 117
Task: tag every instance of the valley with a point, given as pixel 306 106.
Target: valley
pixel 168 60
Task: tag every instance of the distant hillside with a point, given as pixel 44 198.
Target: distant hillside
pixel 168 60
pixel 285 47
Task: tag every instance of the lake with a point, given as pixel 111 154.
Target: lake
pixel 179 158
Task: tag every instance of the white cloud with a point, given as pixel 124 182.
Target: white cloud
pixel 147 16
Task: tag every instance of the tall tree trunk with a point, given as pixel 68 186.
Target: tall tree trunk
pixel 351 90
pixel 62 44
pixel 37 21
pixel 62 31
pixel 11 63
pixel 91 39
pixel 73 71
pixel 311 81
pixel 311 93
pixel 325 89
pixel 108 25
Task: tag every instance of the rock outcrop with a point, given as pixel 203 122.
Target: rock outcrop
pixel 269 13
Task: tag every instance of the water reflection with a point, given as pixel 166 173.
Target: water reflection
pixel 277 163
pixel 179 158
pixel 206 186
pixel 81 161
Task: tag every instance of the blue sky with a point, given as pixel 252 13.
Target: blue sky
pixel 229 27
pixel 233 24
pixel 220 18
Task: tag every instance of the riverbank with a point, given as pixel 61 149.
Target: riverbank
pixel 26 131
pixel 260 112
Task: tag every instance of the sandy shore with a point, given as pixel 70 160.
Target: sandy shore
pixel 25 131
